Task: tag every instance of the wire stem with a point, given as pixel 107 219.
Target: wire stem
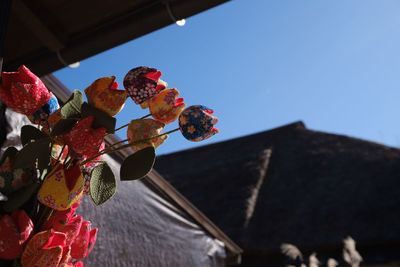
pixel 126 146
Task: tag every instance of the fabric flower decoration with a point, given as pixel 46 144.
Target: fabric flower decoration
pixel 165 106
pixel 14 231
pixel 142 83
pixel 84 242
pixel 145 128
pixel 83 139
pixel 12 180
pixel 45 111
pixel 161 85
pixel 23 91
pixel 62 187
pixel 52 120
pixel 60 218
pixel 104 95
pixel 46 248
pixel 197 123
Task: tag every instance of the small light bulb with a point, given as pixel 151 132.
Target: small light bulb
pixel 181 22
pixel 74 65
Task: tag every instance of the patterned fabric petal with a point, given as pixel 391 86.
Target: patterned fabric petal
pixel 61 188
pixel 145 128
pixel 103 94
pixel 44 249
pixel 84 242
pixel 166 106
pixel 197 123
pixel 12 180
pixel 83 139
pixel 23 91
pixel 14 231
pixel 45 111
pixel 59 219
pixel 142 83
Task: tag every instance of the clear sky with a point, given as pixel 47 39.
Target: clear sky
pixel 261 64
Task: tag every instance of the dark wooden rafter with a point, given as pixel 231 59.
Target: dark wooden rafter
pixel 37 27
pixel 129 24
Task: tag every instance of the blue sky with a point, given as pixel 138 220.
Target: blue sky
pixel 261 64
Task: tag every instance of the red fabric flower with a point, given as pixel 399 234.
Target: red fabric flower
pixel 23 91
pixel 60 218
pixel 14 231
pixel 83 139
pixel 84 242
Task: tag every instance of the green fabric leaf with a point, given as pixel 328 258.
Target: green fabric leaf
pixel 10 152
pixel 101 118
pixel 43 155
pixel 72 108
pixel 138 164
pixel 20 197
pixel 27 156
pixel 102 184
pixel 29 132
pixel 63 126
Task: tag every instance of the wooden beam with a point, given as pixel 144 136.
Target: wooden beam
pixel 37 27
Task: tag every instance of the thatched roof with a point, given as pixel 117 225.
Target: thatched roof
pixel 314 190
pixel 76 29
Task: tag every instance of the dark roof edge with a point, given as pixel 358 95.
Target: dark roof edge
pixel 234 251
pixel 289 126
pixel 113 32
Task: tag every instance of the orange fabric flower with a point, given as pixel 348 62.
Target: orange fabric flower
pixel 23 91
pixel 45 249
pixel 14 231
pixel 145 128
pixel 166 106
pixel 104 95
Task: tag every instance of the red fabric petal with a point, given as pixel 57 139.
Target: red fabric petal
pixel 56 239
pixel 84 242
pixel 10 246
pixel 114 86
pixel 153 75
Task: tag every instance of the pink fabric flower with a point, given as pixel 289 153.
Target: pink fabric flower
pixel 23 91
pixel 83 139
pixel 166 106
pixel 14 231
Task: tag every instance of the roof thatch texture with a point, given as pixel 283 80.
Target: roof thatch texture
pixel 314 190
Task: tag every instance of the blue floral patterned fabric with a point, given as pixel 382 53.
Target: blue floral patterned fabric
pixel 197 123
pixel 46 110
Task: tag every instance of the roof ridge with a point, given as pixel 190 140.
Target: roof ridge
pixel 289 126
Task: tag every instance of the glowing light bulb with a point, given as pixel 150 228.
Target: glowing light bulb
pixel 74 65
pixel 181 22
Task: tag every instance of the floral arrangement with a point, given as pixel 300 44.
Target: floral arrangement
pixel 42 185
